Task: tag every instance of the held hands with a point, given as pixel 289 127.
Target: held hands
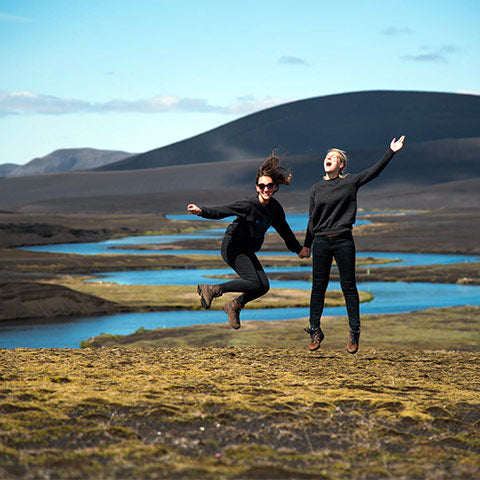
pixel 192 208
pixel 396 145
pixel 304 252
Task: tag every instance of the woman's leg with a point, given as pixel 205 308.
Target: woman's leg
pixel 322 263
pixel 344 252
pixel 253 282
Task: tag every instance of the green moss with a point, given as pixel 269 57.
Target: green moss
pixel 239 412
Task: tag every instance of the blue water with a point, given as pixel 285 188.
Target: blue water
pixel 390 297
pixel 297 221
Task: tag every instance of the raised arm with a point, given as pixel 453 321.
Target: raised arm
pixel 373 172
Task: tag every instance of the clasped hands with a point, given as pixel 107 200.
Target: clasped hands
pixel 304 252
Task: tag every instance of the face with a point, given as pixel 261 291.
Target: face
pixel 265 188
pixel 332 163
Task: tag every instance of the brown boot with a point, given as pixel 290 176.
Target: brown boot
pixel 316 337
pixel 232 309
pixel 353 341
pixel 208 293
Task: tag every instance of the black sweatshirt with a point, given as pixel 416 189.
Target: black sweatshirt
pixel 333 203
pixel 253 220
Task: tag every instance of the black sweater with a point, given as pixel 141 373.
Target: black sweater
pixel 333 203
pixel 253 220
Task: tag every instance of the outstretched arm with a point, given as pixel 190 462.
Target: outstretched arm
pixel 192 208
pixel 237 208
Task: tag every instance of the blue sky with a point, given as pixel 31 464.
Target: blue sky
pixel 133 76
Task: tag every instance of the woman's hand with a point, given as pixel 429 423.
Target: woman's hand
pixel 304 252
pixel 192 208
pixel 396 145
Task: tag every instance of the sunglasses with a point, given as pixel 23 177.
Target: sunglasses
pixel 263 186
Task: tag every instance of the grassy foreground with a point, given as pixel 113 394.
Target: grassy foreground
pixel 239 412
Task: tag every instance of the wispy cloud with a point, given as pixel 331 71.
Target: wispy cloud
pixel 6 17
pixel 426 57
pixel 392 31
pixel 469 92
pixel 289 60
pixel 430 55
pixel 245 105
pixel 24 102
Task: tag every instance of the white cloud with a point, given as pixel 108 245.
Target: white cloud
pixel 249 104
pixel 469 92
pixel 28 102
pixel 24 102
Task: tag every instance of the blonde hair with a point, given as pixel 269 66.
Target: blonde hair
pixel 343 157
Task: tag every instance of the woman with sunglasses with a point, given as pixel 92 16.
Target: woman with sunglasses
pixel 332 212
pixel 245 236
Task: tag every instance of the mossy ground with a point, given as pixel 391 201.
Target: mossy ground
pixel 455 328
pixel 239 412
pixel 185 297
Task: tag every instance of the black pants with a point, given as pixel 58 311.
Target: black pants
pixel 342 248
pixel 253 281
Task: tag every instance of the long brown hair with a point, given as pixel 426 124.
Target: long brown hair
pixel 271 168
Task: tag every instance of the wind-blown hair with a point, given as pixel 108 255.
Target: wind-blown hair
pixel 271 168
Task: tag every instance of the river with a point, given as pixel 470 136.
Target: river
pixel 390 297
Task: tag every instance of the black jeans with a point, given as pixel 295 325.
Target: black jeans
pixel 253 281
pixel 342 248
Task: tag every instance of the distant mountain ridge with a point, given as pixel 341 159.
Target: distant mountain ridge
pixel 65 159
pixel 356 120
pixel 6 168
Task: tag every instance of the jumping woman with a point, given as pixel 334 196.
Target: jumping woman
pixel 332 212
pixel 245 236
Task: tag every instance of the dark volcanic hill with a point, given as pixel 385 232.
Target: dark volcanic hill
pixel 65 160
pixel 360 120
pixel 439 165
pixel 408 178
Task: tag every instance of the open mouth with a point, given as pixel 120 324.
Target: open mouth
pixel 328 164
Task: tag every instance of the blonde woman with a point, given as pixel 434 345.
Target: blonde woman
pixel 332 212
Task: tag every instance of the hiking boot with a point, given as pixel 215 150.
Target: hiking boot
pixel 232 309
pixel 353 341
pixel 208 293
pixel 316 337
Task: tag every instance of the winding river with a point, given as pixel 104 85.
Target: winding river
pixel 390 297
